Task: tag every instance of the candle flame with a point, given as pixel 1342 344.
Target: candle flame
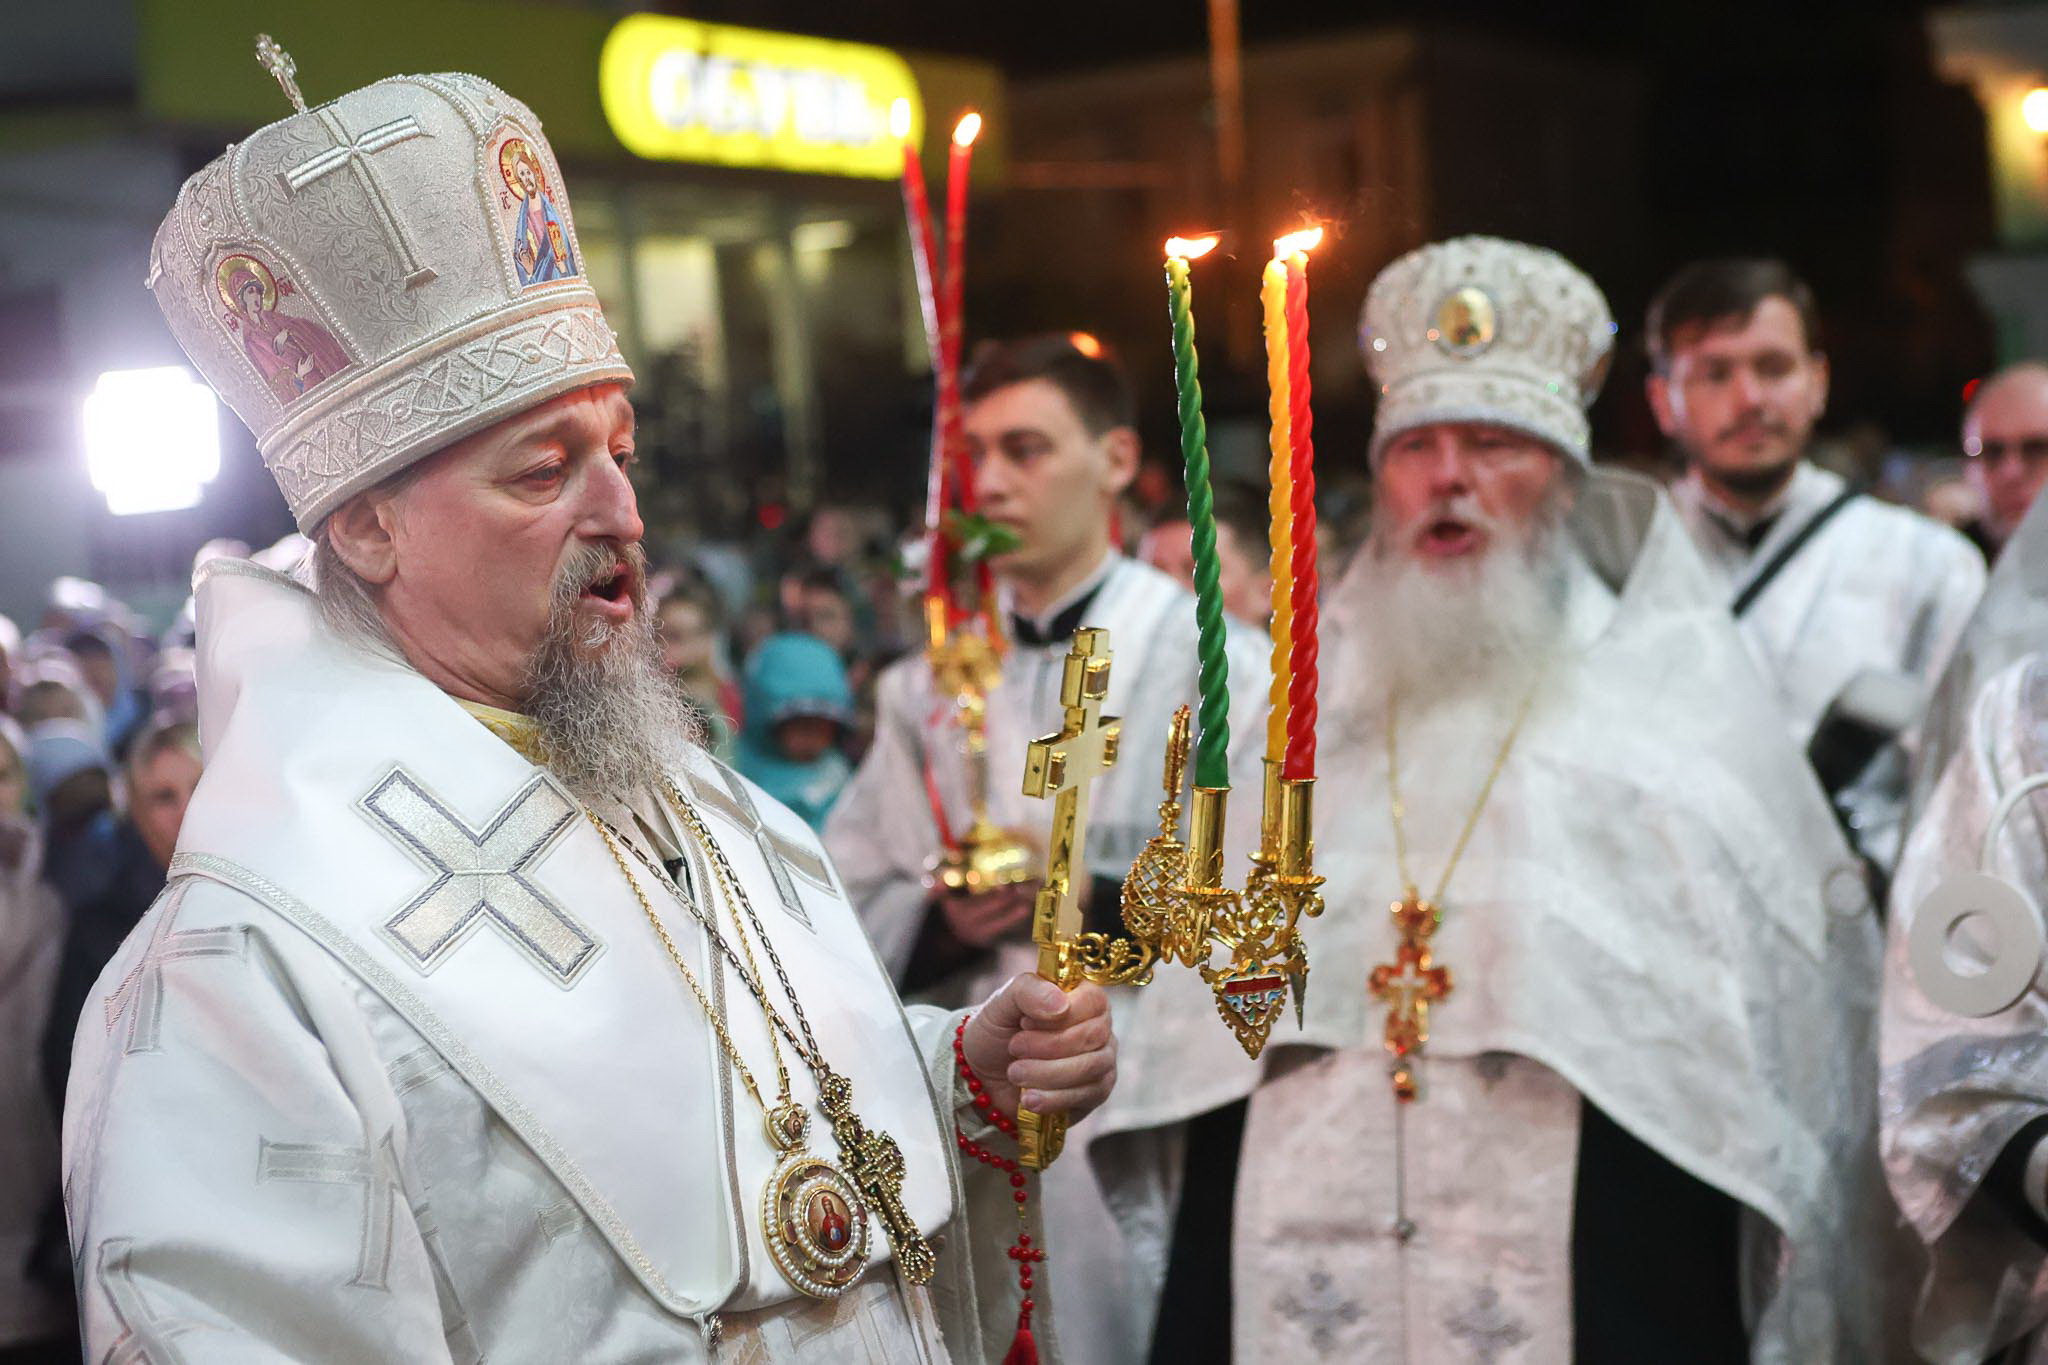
pixel 967 129
pixel 1190 248
pixel 899 119
pixel 1308 239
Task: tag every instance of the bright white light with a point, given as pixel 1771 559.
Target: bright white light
pixel 830 234
pixel 152 439
pixel 2034 108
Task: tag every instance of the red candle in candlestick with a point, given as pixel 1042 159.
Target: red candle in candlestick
pixel 959 158
pixel 1303 623
pixel 917 213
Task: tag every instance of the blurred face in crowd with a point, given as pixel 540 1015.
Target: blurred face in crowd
pixel 1042 473
pixel 96 663
pixel 465 559
pixel 1740 396
pixel 2005 438
pixel 159 790
pixel 831 538
pixel 686 636
pixel 1451 492
pixel 1242 572
pixel 1170 548
pixel 805 739
pixel 826 614
pixel 13 781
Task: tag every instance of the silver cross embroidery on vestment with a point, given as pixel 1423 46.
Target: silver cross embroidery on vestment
pixel 145 1339
pixel 1322 1310
pixel 482 874
pixel 782 854
pixel 1487 1327
pixel 321 1164
pixel 141 992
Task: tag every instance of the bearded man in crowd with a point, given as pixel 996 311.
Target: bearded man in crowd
pixel 1598 1086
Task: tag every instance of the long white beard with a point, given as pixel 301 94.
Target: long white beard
pixel 611 719
pixel 1456 649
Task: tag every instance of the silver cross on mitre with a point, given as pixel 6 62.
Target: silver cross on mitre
pixel 280 65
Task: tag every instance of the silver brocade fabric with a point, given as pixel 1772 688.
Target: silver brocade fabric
pixel 1656 907
pixel 1955 1090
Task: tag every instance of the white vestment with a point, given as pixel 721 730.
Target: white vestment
pixel 882 830
pixel 1879 588
pixel 396 1069
pixel 1656 913
pixel 1957 1090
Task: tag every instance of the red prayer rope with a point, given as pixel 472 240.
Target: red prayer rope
pixel 1023 1349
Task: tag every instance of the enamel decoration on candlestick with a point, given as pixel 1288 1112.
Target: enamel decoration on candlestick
pixel 964 643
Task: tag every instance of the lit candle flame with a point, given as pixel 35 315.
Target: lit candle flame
pixel 1308 239
pixel 966 130
pixel 899 119
pixel 1190 248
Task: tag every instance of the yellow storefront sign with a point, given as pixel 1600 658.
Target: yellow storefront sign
pixel 678 90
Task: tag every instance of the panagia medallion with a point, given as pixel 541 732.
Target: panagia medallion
pixel 813 1218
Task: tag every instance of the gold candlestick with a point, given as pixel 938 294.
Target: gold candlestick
pixel 966 665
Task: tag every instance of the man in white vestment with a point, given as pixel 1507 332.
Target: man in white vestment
pixel 485 1015
pixel 1052 433
pixel 1964 1102
pixel 1629 965
pixel 1850 605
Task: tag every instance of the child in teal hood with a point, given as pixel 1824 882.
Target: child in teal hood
pixel 798 706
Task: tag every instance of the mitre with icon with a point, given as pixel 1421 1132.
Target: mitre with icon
pixel 370 279
pixel 1477 329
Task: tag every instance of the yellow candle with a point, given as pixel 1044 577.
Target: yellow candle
pixel 1273 298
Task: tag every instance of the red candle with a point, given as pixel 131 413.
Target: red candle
pixel 959 156
pixel 1303 623
pixel 917 213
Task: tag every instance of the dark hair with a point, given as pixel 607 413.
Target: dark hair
pixel 1728 290
pixel 1095 385
pixel 822 578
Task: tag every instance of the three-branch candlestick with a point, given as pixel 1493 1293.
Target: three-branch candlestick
pixel 1175 901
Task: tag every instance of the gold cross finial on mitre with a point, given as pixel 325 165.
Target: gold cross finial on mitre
pixel 279 64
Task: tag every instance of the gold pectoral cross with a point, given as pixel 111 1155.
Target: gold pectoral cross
pixel 875 1165
pixel 1409 985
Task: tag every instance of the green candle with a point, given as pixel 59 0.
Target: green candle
pixel 1212 746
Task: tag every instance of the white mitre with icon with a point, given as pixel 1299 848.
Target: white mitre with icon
pixel 368 280
pixel 1478 329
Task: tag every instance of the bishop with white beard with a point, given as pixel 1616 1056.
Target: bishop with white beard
pixel 485 1015
pixel 1585 1071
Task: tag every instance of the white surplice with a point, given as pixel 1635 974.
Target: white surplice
pixel 1656 913
pixel 396 1069
pixel 882 830
pixel 1878 588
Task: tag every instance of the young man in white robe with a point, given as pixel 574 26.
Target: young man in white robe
pixel 454 1034
pixel 1053 436
pixel 1054 443
pixel 1965 1079
pixel 1636 1124
pixel 1850 605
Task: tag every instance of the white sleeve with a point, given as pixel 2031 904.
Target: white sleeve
pixel 229 1200
pixel 881 829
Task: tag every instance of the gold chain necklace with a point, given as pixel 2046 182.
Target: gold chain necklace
pixel 1412 981
pixel 794 1217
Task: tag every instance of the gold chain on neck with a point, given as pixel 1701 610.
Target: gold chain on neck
pixel 1398 811
pixel 711 1012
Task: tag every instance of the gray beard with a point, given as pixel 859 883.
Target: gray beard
pixel 611 720
pixel 1427 634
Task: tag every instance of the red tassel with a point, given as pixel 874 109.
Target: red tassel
pixel 1023 1348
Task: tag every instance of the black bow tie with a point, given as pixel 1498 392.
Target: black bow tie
pixel 1058 631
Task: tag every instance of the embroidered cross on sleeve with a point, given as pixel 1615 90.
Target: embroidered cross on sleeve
pixel 481 875
pixel 327 1165
pixel 141 993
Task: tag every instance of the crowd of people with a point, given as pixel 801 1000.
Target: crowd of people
pixel 412 1017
